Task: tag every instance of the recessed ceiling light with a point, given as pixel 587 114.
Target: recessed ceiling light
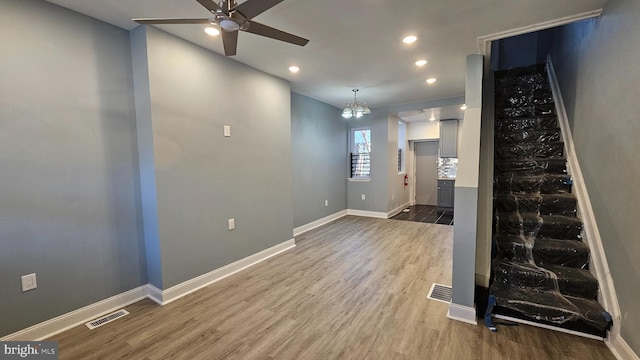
pixel 463 107
pixel 294 69
pixel 421 62
pixel 431 81
pixel 432 118
pixel 212 31
pixel 409 39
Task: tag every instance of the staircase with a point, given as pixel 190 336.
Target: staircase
pixel 541 271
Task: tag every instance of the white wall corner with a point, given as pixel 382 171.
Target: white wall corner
pixel 77 317
pixel 462 313
pixel 317 223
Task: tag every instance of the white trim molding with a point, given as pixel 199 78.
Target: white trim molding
pixel 77 317
pixel 315 224
pixel 599 265
pixel 365 213
pixel 176 292
pixel 397 210
pixel 620 349
pixel 484 42
pixel 462 313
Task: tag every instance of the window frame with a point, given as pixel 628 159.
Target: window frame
pixel 352 150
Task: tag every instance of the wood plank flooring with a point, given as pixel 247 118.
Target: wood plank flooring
pixel 352 289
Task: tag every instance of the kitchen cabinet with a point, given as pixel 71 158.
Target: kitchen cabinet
pixel 449 138
pixel 446 192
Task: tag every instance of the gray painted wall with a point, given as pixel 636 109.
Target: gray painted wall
pixel 204 178
pixel 596 64
pixel 68 156
pixel 375 191
pixel 318 143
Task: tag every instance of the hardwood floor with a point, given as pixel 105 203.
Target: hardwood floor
pixel 353 289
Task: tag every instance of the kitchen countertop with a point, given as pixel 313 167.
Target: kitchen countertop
pixel 446 178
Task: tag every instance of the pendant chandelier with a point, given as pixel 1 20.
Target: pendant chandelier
pixel 355 109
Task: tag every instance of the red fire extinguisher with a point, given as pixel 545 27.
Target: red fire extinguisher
pixel 406 180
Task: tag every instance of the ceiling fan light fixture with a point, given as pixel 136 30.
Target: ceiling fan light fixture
pixel 211 31
pixel 229 25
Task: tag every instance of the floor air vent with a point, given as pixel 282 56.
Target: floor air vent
pixel 440 292
pixel 107 318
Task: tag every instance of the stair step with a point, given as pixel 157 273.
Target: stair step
pixel 571 281
pixel 528 136
pixel 547 184
pixel 545 226
pixel 525 111
pixel 522 76
pixel 545 204
pixel 568 253
pixel 526 124
pixel 530 167
pixel 519 96
pixel 530 151
pixel 559 204
pixel 575 282
pixel 551 308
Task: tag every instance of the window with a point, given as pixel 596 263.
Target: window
pixel 361 153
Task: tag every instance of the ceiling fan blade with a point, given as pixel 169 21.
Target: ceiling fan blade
pixel 264 30
pixel 172 21
pixel 230 42
pixel 252 8
pixel 209 5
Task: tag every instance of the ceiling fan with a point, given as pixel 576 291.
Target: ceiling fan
pixel 231 18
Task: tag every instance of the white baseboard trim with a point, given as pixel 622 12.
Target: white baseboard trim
pixel 397 210
pixel 483 279
pixel 314 224
pixel 365 213
pixel 174 293
pixel 77 317
pixel 462 313
pixel 620 349
pixel 550 327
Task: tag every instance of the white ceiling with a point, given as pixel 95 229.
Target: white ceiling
pixel 439 113
pixel 356 43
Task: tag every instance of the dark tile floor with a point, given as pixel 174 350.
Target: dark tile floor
pixel 426 214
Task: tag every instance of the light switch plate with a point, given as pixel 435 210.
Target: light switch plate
pixel 227 130
pixel 363 197
pixel 232 224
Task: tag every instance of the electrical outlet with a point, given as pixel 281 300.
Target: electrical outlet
pixel 29 282
pixel 363 197
pixel 326 203
pixel 232 224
